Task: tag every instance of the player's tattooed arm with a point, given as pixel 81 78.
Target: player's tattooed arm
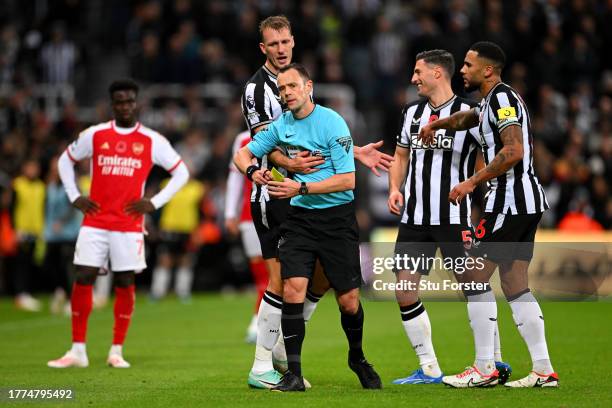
pixel 504 160
pixel 461 120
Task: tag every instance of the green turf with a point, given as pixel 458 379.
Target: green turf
pixel 194 355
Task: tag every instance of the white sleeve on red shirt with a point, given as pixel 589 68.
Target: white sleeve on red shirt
pixel 65 166
pixel 81 148
pixel 180 176
pixel 235 179
pixel 233 194
pixel 163 154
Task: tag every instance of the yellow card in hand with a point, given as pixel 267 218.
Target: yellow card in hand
pixel 276 175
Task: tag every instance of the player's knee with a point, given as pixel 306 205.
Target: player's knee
pixel 85 275
pixel 349 302
pixel 293 291
pixel 124 279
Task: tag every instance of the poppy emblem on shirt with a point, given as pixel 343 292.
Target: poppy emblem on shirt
pixel 137 148
pixel 121 147
pixel 433 118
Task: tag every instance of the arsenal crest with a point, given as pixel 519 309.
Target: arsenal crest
pixel 137 148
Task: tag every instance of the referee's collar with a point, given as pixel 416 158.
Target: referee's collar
pixel 444 105
pixel 268 71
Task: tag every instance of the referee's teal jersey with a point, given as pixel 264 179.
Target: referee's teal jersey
pixel 322 133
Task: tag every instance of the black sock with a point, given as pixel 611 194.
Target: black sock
pixel 353 329
pixel 292 322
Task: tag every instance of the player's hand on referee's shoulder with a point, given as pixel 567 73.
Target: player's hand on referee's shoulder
pixel 284 189
pixel 427 134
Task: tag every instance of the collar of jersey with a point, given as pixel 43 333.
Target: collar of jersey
pixel 125 131
pixel 307 116
pixel 488 95
pixel 268 71
pixel 444 105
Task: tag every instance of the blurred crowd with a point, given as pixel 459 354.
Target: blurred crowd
pixel 556 61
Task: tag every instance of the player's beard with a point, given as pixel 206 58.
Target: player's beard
pixel 471 87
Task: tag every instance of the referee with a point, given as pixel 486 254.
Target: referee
pixel 321 223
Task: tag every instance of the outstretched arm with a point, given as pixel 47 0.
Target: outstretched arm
pixel 373 159
pixel 461 120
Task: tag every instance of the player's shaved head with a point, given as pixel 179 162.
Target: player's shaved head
pixel 123 85
pixel 492 52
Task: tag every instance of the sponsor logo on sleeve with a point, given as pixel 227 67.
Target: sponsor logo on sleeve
pixel 346 142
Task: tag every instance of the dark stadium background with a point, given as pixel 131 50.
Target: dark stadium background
pixel 192 57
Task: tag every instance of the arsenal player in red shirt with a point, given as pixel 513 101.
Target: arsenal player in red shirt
pixel 122 153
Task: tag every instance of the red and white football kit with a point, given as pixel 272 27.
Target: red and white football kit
pixel 121 160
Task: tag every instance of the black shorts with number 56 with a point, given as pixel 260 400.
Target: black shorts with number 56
pixel 505 237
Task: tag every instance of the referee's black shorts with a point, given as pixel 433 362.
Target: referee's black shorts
pixel 268 217
pixel 422 241
pixel 330 235
pixel 505 237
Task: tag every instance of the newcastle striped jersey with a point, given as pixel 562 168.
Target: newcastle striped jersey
pixel 435 169
pixel 518 191
pixel 261 105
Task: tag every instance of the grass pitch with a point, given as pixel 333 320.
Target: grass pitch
pixel 194 355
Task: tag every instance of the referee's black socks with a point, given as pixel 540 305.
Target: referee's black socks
pixel 353 329
pixel 292 322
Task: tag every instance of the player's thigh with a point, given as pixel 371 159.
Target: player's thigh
pixel 514 277
pixel 92 247
pixel 319 284
pixel 127 251
pixel 250 241
pixel 414 250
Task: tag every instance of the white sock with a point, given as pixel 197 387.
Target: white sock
pixel 530 323
pixel 278 351
pixel 418 329
pixel 161 281
pixel 482 312
pixel 497 351
pixel 310 304
pixel 268 328
pixel 184 278
pixel 79 349
pixel 116 349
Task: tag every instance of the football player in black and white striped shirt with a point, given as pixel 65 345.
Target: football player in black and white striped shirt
pixel 514 205
pixel 429 221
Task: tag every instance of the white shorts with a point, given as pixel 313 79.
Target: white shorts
pixel 250 240
pixel 125 250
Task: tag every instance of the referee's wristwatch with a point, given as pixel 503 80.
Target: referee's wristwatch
pixel 303 188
